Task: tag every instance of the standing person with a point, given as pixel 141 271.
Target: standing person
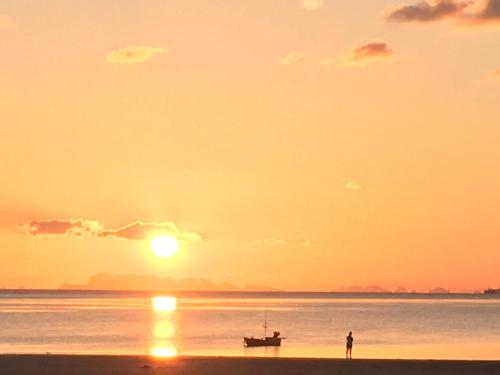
pixel 348 344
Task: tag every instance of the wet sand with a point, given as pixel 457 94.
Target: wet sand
pixel 132 365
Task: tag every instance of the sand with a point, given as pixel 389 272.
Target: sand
pixel 132 365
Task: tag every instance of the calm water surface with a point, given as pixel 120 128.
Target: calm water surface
pixel 315 324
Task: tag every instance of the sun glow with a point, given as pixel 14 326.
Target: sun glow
pixel 164 246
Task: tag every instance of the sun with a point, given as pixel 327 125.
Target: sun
pixel 164 246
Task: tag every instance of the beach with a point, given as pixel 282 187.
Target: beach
pixel 134 365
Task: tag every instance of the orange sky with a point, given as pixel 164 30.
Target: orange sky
pixel 306 145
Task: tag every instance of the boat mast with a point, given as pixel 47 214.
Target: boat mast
pixel 265 323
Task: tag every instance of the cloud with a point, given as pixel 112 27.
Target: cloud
pixel 142 231
pixel 64 227
pixel 86 228
pixel 485 11
pixel 349 185
pixel 272 242
pixel 292 58
pixel 312 5
pixel 312 244
pixel 376 50
pixel 5 21
pixel 470 12
pixel 425 11
pixel 134 54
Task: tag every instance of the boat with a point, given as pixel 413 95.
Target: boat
pixel 492 291
pixel 274 340
pixel 266 341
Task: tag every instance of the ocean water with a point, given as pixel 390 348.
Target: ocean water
pixel 314 324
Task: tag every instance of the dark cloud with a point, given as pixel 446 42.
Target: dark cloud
pixel 426 11
pixel 368 52
pixel 84 227
pixel 64 227
pixel 472 11
pixel 372 49
pixel 489 11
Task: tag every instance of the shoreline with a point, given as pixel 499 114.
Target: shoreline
pixel 76 364
pixel 246 291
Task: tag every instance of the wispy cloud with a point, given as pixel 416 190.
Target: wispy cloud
pixel 472 12
pixel 134 54
pixel 312 5
pixel 495 74
pixel 272 242
pixel 312 244
pixel 367 53
pixel 492 77
pixel 328 61
pixel 141 231
pixel 350 185
pixel 292 58
pixel 5 21
pixel 87 228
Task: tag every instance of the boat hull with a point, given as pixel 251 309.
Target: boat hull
pixel 268 341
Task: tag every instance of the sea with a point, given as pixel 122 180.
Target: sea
pixel 165 325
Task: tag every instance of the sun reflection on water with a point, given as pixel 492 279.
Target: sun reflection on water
pixel 164 304
pixel 163 352
pixel 163 328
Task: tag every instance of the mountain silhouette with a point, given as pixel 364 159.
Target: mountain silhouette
pixel 106 281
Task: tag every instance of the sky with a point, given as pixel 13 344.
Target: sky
pixel 305 145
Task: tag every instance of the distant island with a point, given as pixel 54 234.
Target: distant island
pixel 439 290
pixel 361 289
pixel 106 281
pixel 401 290
pixel 379 289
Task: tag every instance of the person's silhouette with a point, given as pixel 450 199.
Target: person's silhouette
pixel 348 345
